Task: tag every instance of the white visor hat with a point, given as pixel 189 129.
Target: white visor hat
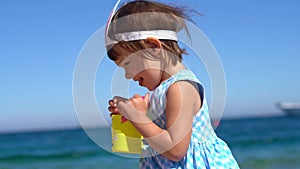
pixel 136 35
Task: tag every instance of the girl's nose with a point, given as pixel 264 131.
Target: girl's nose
pixel 128 75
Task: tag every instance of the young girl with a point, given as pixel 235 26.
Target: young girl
pixel 141 38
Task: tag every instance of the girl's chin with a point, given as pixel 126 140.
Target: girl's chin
pixel 149 88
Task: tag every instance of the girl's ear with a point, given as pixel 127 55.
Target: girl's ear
pixel 154 44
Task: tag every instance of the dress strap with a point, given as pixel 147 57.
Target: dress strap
pixel 188 75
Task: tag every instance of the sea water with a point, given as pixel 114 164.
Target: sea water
pixel 257 143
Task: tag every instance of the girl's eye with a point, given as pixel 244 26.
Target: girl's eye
pixel 127 63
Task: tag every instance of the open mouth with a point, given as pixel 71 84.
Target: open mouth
pixel 141 81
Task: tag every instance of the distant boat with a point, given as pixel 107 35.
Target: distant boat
pixel 290 109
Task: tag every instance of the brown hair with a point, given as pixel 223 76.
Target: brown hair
pixel 157 16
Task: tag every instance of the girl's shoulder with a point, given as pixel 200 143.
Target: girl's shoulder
pixel 185 78
pixel 182 75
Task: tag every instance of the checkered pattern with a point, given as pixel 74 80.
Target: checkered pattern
pixel 206 150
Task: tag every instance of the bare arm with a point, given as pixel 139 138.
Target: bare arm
pixel 182 102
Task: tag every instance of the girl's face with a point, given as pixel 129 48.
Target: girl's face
pixel 147 72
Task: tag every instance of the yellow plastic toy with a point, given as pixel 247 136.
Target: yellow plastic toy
pixel 125 138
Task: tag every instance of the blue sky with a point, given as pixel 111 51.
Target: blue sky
pixel 40 41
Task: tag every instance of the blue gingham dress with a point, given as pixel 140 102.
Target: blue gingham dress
pixel 206 150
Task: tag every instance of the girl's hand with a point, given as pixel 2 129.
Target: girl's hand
pixel 140 103
pixel 112 108
pixel 135 108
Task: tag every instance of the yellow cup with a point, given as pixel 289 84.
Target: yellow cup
pixel 125 138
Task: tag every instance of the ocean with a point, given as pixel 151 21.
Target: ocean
pixel 257 143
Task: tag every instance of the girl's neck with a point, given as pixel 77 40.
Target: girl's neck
pixel 172 70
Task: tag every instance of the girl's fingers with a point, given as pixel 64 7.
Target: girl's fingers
pixel 111 114
pixel 146 97
pixel 113 109
pixel 112 103
pixel 136 96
